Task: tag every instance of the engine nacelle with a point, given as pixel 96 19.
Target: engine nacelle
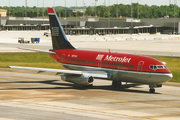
pixel 78 79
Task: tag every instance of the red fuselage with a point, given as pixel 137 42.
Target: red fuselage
pixel 128 62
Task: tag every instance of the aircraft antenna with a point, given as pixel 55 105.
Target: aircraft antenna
pixel 109 50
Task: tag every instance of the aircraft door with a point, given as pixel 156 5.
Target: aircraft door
pixel 140 66
pixel 63 58
pixel 99 63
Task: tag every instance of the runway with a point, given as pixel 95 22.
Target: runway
pixel 26 95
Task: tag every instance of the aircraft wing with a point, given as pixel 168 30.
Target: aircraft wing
pixel 96 74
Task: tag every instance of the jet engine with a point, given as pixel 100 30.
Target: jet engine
pixel 78 79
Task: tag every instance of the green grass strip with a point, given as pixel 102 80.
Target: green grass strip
pixel 28 60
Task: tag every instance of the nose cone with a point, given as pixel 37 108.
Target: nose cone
pixel 168 76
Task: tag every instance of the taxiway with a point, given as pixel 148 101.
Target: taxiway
pixel 26 95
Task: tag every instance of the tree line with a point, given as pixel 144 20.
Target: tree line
pixel 113 11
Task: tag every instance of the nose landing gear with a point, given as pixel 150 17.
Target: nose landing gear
pixel 152 90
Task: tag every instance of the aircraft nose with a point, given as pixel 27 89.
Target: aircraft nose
pixel 169 76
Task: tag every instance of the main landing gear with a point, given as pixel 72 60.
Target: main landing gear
pixel 116 84
pixel 88 86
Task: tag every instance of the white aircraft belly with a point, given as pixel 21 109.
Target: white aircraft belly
pixel 126 75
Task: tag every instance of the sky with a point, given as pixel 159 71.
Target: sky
pixel 69 3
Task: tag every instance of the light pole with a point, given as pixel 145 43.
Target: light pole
pixel 76 13
pixel 37 10
pixel 109 14
pixel 104 7
pixel 138 10
pixel 95 8
pixel 9 7
pixel 26 12
pixel 174 15
pixel 131 17
pixel 65 16
pixel 25 8
pixel 117 10
pixel 43 11
pixel 83 7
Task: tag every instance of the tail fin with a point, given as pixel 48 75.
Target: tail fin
pixel 59 40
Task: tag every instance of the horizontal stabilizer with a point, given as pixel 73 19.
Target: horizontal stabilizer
pixel 50 52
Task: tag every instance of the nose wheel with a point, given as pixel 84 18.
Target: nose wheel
pixel 152 90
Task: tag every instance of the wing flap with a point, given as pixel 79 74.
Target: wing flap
pixel 96 74
pixel 48 70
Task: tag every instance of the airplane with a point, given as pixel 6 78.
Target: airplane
pixel 82 66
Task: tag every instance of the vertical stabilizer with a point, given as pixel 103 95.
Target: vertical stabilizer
pixel 59 40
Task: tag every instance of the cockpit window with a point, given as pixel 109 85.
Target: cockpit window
pixel 160 67
pixel 151 66
pixel 157 67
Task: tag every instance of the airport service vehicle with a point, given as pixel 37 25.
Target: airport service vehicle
pixel 47 34
pixel 21 40
pixel 35 40
pixel 85 65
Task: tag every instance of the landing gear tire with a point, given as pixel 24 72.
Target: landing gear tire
pixel 116 84
pixel 152 90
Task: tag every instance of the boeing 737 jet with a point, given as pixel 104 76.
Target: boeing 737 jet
pixel 85 65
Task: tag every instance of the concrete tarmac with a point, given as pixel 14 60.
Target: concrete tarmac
pixel 26 95
pixel 143 44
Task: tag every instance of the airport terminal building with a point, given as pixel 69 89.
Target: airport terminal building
pixel 101 26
